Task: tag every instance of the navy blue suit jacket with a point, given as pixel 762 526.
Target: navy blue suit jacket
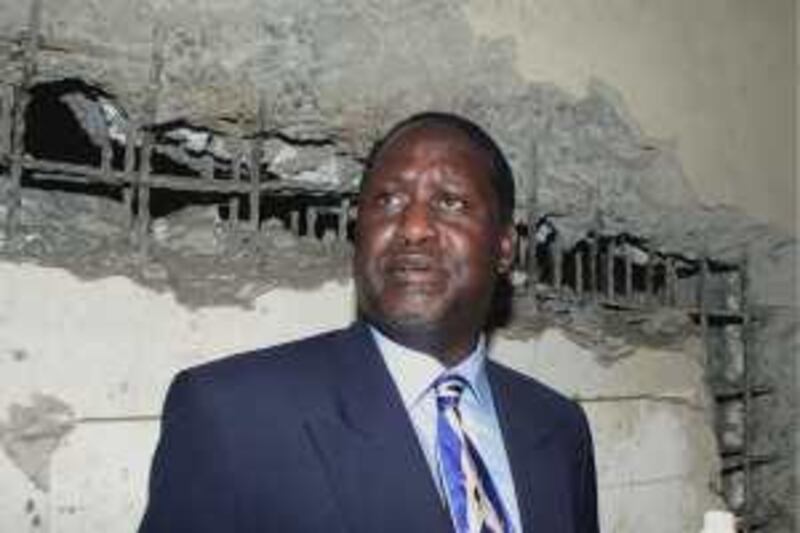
pixel 312 436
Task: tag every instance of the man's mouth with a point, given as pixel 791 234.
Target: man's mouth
pixel 413 269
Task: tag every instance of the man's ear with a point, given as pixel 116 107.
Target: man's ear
pixel 507 248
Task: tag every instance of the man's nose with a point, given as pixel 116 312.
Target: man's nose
pixel 417 224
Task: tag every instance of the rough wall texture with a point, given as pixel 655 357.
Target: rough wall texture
pixel 656 450
pixel 332 74
pixel 714 78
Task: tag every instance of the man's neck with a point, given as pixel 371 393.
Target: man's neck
pixel 450 350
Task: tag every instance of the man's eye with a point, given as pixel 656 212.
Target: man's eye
pixel 388 200
pixel 452 204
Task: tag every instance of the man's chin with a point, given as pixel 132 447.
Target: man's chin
pixel 413 319
pixel 403 313
pixel 409 321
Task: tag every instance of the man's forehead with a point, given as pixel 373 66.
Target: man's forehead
pixel 444 136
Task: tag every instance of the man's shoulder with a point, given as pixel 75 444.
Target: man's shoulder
pixel 283 367
pixel 304 350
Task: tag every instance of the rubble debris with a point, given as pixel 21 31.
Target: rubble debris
pixel 194 253
pixel 611 334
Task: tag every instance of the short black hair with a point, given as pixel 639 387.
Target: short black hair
pixel 502 179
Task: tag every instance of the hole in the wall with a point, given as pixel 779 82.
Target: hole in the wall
pixel 53 132
pixel 52 129
pixel 604 264
pixel 67 121
pixel 71 121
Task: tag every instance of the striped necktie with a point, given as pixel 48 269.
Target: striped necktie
pixel 475 506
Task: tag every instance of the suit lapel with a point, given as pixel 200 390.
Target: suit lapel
pixel 369 448
pixel 531 454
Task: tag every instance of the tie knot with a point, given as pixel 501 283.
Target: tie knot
pixel 449 389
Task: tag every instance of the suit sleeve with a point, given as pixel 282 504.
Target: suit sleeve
pixel 586 481
pixel 190 489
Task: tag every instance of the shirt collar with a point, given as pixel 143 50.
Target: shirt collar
pixel 414 372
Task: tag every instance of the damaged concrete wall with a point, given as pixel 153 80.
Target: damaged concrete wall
pixel 83 368
pixel 111 347
pixel 78 406
pixel 797 259
pixel 714 84
pixel 713 79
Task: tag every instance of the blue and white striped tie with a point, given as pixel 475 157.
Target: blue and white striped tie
pixel 475 506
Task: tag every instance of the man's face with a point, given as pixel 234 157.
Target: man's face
pixel 429 242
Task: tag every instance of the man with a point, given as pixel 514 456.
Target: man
pixel 397 423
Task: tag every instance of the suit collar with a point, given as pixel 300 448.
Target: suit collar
pixel 369 448
pixel 527 429
pixel 519 411
pixel 377 468
pixel 368 399
pixel 414 372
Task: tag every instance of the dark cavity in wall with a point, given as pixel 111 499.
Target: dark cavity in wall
pixel 71 121
pixel 53 132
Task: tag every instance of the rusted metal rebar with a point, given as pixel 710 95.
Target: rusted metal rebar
pixel 256 155
pixel 344 218
pixel 594 257
pixel 671 282
pixel 628 272
pixel 20 103
pixel 532 208
pixel 236 177
pixel 611 252
pixel 748 386
pixel 312 214
pixel 151 113
pixel 127 176
pixel 557 261
pixel 649 279
pixel 578 260
pixel 6 119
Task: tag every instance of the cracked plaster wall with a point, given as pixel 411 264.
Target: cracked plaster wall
pixel 797 251
pixel 111 346
pixel 713 98
pixel 715 79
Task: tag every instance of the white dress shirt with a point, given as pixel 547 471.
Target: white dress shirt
pixel 414 372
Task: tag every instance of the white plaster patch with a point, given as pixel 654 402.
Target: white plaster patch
pixel 656 464
pixel 100 477
pixel 662 506
pixel 22 506
pixel 644 441
pixel 559 362
pixel 109 347
pixel 656 454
